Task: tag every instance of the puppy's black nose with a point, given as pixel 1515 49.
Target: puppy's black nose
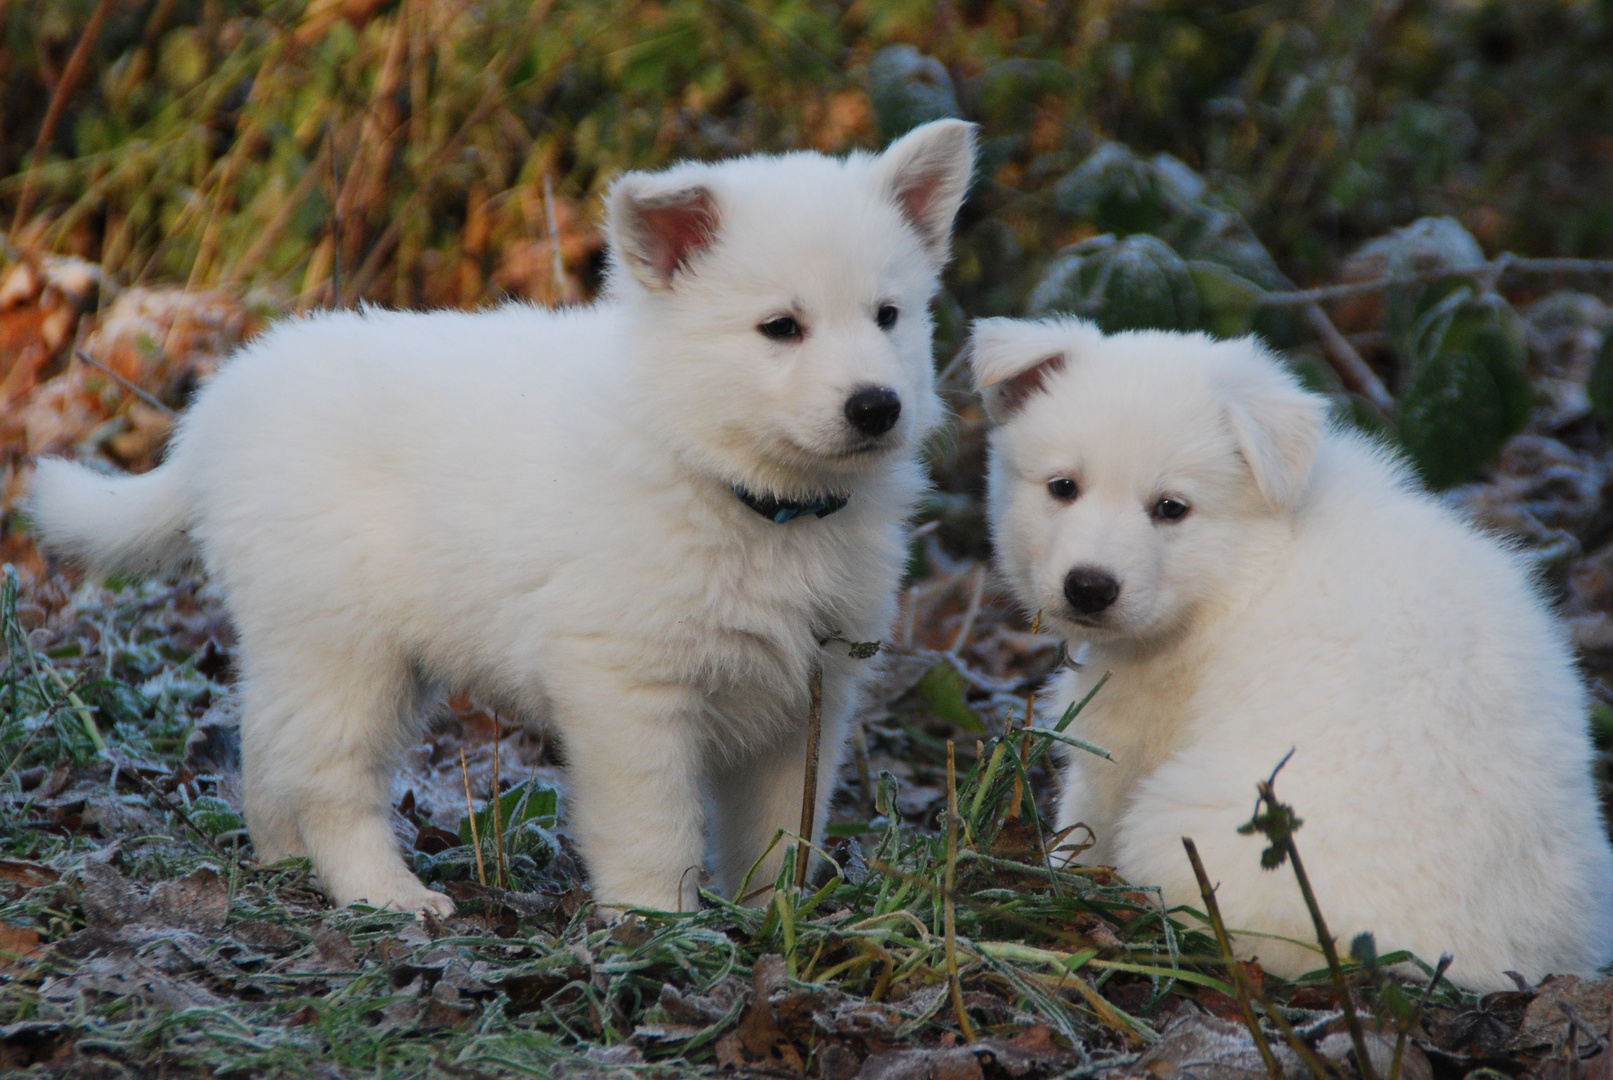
pixel 873 410
pixel 1090 590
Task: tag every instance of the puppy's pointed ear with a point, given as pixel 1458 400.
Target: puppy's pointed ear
pixel 658 233
pixel 1276 421
pixel 926 173
pixel 1013 358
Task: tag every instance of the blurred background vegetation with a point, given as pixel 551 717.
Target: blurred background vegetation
pixel 191 140
pixel 1160 163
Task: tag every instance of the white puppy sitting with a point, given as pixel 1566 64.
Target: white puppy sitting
pixel 635 521
pixel 1257 581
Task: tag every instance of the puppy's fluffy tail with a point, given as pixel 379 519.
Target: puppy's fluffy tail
pixel 112 524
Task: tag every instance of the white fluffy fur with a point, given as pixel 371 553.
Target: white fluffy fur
pixel 537 506
pixel 1313 598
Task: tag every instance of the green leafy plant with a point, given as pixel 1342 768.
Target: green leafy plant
pixel 1137 283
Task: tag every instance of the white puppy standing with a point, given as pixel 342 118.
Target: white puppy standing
pixel 1256 582
pixel 633 521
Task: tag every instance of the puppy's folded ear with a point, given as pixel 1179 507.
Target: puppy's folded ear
pixel 926 173
pixel 658 233
pixel 1012 358
pixel 1276 421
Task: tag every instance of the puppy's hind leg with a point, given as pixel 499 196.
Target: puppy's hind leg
pixel 322 735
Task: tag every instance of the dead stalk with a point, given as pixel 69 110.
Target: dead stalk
pixel 503 877
pixel 973 611
pixel 1315 1064
pixel 865 778
pixel 558 270
pixel 335 220
pixel 948 908
pixel 1268 795
pixel 470 811
pixel 809 790
pixel 1018 795
pixel 1106 1012
pixel 1235 973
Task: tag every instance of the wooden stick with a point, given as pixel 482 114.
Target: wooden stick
pixel 470 809
pixel 809 791
pixel 948 906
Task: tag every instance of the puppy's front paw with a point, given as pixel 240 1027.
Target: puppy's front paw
pixel 411 896
pixel 426 900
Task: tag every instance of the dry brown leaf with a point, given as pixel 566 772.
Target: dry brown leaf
pixel 29 874
pixel 1546 1022
pixel 19 946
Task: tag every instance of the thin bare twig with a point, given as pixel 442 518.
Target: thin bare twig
pixel 972 612
pixel 1353 371
pixel 178 812
pixel 558 268
pixel 48 716
pixel 502 876
pixel 1279 827
pixel 809 789
pixel 1504 264
pixel 154 402
pixel 1247 989
pixel 1417 1017
pixel 470 812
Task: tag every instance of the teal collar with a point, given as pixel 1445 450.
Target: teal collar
pixel 780 511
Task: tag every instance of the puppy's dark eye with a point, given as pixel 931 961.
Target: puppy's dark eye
pixel 886 316
pixel 1063 488
pixel 1169 509
pixel 782 328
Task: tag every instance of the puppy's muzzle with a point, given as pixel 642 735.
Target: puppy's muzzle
pixel 1090 590
pixel 873 410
